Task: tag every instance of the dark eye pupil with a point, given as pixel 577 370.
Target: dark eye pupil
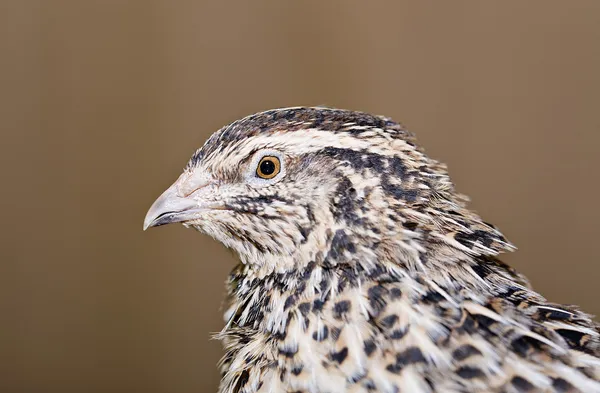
pixel 267 167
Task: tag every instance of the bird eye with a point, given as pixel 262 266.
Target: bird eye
pixel 268 167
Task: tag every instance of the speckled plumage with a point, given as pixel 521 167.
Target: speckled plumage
pixel 362 269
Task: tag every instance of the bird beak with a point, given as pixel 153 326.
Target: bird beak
pixel 176 204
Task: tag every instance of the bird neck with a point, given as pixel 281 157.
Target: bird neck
pixel 440 240
pixel 429 258
pixel 265 302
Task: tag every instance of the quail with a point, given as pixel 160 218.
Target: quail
pixel 363 270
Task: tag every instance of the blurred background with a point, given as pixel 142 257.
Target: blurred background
pixel 102 102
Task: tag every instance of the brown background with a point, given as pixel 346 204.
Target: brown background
pixel 102 102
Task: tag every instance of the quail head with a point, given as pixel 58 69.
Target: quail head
pixel 362 269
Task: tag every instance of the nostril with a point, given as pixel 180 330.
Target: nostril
pixel 190 182
pixel 186 190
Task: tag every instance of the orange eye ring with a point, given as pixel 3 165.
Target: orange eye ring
pixel 268 167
